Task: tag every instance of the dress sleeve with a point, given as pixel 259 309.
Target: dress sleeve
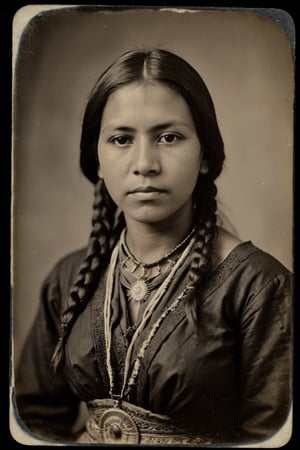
pixel 45 403
pixel 266 348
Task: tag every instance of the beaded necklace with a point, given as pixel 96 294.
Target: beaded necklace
pixel 159 261
pixel 141 288
pixel 129 381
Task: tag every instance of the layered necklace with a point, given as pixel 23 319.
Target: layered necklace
pixel 117 425
pixel 129 378
pixel 144 275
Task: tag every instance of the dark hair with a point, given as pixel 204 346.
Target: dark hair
pixel 167 68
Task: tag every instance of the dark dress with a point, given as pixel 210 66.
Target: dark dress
pixel 232 379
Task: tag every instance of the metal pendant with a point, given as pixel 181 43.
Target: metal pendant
pixel 139 291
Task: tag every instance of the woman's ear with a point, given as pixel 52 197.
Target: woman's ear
pixel 100 174
pixel 203 167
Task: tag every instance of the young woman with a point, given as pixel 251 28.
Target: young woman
pixel 171 329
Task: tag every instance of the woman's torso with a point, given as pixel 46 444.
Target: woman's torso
pixel 184 374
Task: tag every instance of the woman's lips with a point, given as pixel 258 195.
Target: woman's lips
pixel 146 192
pixel 146 189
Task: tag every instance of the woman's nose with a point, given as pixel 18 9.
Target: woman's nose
pixel 145 158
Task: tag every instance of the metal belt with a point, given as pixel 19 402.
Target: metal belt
pixel 130 424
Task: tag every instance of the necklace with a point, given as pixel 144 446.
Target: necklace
pixel 128 381
pixel 162 259
pixel 141 288
pixel 131 281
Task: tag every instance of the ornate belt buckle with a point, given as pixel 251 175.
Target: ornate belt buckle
pixel 116 427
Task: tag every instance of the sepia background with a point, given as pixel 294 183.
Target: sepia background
pixel 245 59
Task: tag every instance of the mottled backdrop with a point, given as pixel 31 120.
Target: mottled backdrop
pixel 246 61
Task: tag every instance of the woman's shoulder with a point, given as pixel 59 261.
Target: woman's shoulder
pixel 246 255
pixel 225 243
pixel 247 271
pixel 66 267
pixel 71 258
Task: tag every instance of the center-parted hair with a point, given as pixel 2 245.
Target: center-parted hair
pixel 138 66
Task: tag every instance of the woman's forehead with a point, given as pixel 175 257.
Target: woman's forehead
pixel 153 102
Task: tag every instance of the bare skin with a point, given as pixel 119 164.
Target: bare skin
pixel 224 244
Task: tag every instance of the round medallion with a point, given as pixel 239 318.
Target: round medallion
pixel 118 427
pixel 139 291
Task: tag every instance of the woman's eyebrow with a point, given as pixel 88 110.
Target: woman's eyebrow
pixel 112 127
pixel 154 128
pixel 168 124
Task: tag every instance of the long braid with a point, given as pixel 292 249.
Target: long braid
pixel 97 255
pixel 201 261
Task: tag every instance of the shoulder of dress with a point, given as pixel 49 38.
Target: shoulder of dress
pixel 66 268
pixel 264 275
pixel 248 267
pixel 72 258
pixel 262 261
pixel 56 285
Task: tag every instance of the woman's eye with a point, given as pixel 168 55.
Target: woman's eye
pixel 121 140
pixel 169 138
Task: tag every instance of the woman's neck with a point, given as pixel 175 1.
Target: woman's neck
pixel 150 242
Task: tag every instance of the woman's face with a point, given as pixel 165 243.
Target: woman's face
pixel 149 152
